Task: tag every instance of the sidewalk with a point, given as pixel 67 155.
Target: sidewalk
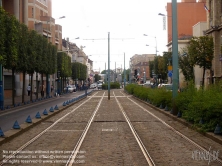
pixel 18 99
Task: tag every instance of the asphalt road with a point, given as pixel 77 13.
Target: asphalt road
pixel 8 118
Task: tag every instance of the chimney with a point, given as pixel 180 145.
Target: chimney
pixel 67 39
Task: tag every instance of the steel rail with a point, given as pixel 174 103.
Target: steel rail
pixel 7 158
pixel 75 151
pixel 177 132
pixel 139 141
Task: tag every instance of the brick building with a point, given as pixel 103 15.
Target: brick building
pixel 189 13
pixel 141 63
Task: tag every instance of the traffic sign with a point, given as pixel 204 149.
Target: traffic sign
pixel 170 68
pixel 170 73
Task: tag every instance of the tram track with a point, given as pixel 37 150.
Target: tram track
pixel 201 148
pixel 149 160
pixel 75 151
pixel 109 132
pixel 6 158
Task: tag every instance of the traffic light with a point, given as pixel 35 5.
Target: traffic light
pixel 135 72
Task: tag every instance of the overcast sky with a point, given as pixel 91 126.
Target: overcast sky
pixel 126 20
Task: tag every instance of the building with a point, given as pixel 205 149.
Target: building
pixel 141 63
pixel 192 23
pixel 214 29
pixel 189 12
pixel 37 15
pixel 90 72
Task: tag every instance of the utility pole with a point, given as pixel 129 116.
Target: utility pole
pixel 105 74
pixel 108 67
pixel 115 72
pixel 124 72
pixel 1 82
pixel 175 48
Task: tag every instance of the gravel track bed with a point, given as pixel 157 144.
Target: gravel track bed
pixel 166 147
pixel 109 140
pixel 62 137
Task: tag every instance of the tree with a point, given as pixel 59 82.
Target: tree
pixel 201 52
pixel 11 45
pixel 23 54
pixel 97 77
pixel 2 36
pixel 127 74
pixel 186 65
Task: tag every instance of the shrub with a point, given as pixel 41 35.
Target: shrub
pixel 113 85
pixel 194 104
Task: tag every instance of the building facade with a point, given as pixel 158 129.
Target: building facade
pixel 141 63
pixel 37 15
pixel 189 12
pixel 214 29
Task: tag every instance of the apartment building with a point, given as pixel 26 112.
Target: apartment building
pixel 211 27
pixel 214 29
pixel 37 15
pixel 189 12
pixel 141 63
pixel 90 72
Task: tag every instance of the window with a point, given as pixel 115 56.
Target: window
pixel 32 13
pixel 41 13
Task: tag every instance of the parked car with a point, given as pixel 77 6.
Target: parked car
pixel 167 86
pixel 92 86
pixel 147 84
pixel 71 88
pixel 99 86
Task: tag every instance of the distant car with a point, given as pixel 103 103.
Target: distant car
pixel 99 86
pixel 71 88
pixel 167 86
pixel 147 84
pixel 92 86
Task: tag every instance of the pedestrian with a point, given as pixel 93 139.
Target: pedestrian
pixel 67 87
pixel 29 89
pixel 77 87
pixel 52 88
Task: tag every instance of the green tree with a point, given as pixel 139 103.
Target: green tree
pixel 201 52
pixel 78 71
pixel 2 36
pixel 31 55
pixel 97 77
pixel 23 54
pixel 127 75
pixel 104 72
pixel 186 65
pixel 11 43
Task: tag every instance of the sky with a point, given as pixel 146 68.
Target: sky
pixel 125 20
